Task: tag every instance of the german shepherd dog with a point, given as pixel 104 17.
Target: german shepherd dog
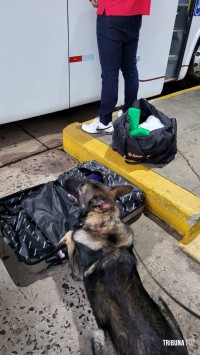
pixel 101 250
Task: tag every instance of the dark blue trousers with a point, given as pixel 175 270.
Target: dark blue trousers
pixel 117 38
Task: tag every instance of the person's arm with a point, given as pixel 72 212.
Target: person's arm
pixel 94 3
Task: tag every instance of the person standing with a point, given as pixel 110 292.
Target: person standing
pixel 118 27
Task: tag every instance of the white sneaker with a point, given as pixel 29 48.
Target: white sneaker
pixel 120 113
pixel 97 127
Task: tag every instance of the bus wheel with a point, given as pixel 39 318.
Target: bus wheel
pixel 194 69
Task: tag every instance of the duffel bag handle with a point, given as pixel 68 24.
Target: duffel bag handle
pixel 128 160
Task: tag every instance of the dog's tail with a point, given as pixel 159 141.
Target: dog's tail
pixel 172 323
pixel 102 343
pixel 98 342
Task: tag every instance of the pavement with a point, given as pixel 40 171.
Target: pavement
pixel 47 312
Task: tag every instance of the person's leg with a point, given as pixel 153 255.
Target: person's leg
pixel 129 63
pixel 110 51
pixel 113 32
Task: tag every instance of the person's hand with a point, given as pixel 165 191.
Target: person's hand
pixel 94 3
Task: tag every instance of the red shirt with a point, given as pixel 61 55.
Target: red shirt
pixel 124 7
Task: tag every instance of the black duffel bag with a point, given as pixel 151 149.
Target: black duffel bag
pixel 160 147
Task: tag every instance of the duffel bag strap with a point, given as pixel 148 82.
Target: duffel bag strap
pixel 128 160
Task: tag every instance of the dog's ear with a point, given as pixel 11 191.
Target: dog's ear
pixel 120 190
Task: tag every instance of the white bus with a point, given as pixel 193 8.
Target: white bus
pixel 49 59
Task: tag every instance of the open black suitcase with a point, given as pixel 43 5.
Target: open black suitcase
pixel 33 221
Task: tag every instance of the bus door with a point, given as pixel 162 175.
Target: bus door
pixel 180 35
pixel 154 46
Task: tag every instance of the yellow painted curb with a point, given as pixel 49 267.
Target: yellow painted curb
pixel 179 208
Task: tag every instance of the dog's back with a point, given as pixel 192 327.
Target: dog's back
pixel 124 309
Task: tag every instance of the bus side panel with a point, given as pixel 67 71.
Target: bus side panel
pixel 154 46
pixel 34 71
pixel 85 74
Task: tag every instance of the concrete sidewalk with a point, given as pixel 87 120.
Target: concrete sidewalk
pixel 48 313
